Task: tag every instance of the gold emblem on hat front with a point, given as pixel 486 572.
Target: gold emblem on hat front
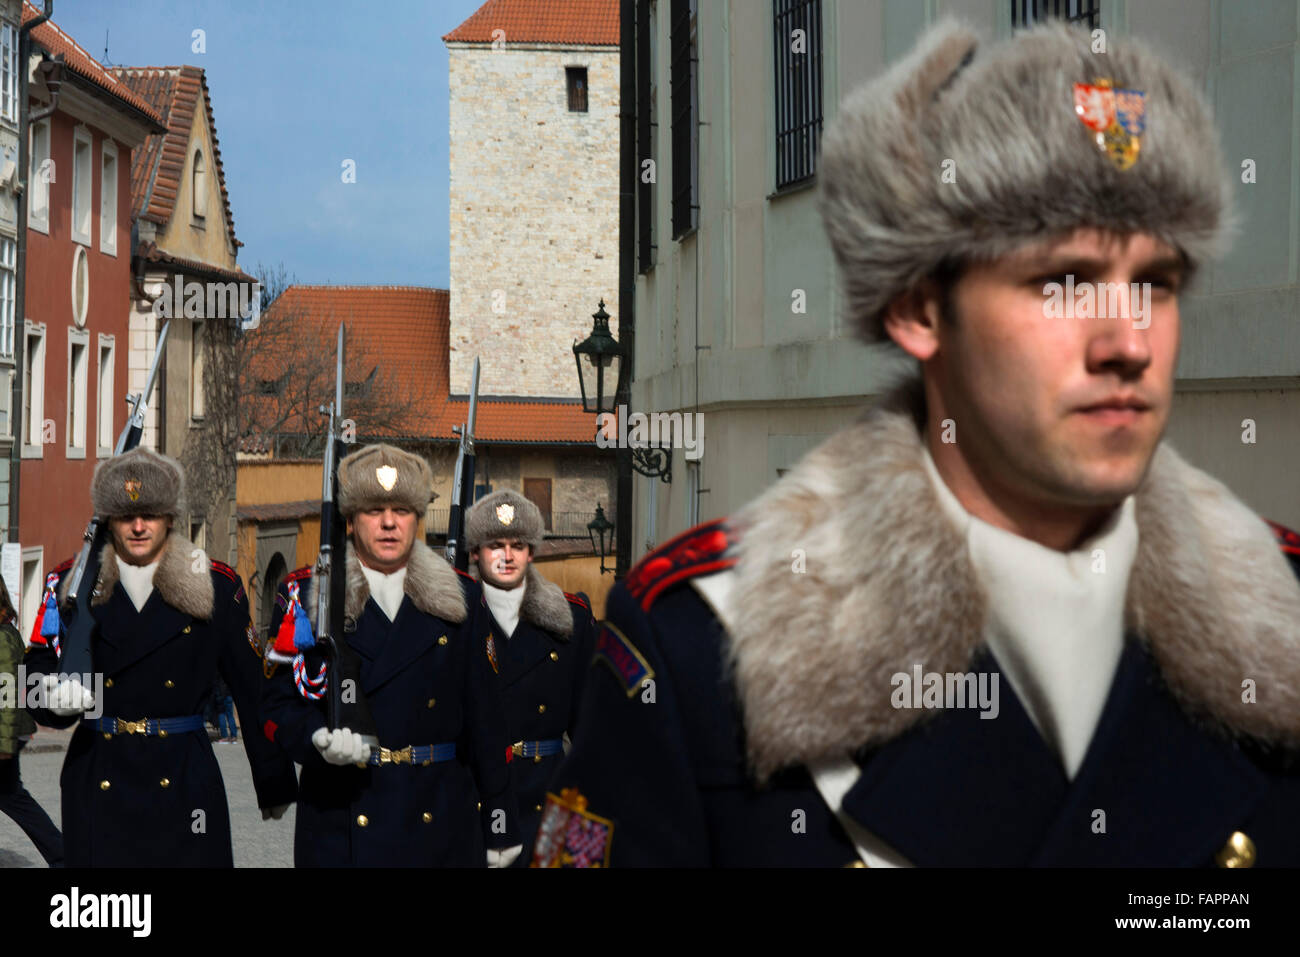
pixel 132 487
pixel 387 476
pixel 505 514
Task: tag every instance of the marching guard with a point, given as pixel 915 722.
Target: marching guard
pixel 433 789
pixel 140 783
pixel 540 644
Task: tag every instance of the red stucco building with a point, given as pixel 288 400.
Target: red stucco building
pixel 72 343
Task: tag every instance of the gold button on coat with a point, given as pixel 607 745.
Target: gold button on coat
pixel 537 807
pixel 426 817
pixel 537 759
pixel 186 630
pixel 169 683
pixel 162 732
pixel 856 864
pixel 432 702
pixel 1238 852
pixel 104 785
pixel 362 820
pixel 108 736
pixel 165 782
pixel 555 656
pixel 442 640
pixel 108 682
pixel 541 709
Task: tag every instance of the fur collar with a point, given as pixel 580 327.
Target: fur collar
pixel 431 584
pixel 887 583
pixel 544 604
pixel 174 578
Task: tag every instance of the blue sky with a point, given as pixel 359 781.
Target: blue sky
pixel 297 88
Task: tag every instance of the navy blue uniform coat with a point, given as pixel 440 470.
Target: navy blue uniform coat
pixel 427 678
pixel 695 739
pixel 542 668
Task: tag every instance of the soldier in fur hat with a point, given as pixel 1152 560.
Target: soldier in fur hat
pixel 540 644
pixel 1016 607
pixel 434 789
pixel 141 786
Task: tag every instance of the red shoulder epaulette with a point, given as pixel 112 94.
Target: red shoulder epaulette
pixel 1287 540
pixel 575 600
pixel 224 569
pixel 62 567
pixel 697 551
pixel 298 574
pixel 463 574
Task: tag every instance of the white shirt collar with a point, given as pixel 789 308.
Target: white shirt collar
pixel 387 590
pixel 1055 619
pixel 137 580
pixel 504 604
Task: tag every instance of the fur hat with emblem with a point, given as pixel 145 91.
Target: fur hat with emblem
pixel 139 482
pixel 965 151
pixel 507 515
pixel 380 475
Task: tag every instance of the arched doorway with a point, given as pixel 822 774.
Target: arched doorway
pixel 276 569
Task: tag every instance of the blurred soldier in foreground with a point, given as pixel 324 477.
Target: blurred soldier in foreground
pixel 996 621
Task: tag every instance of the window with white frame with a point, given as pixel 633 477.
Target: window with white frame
pixel 33 586
pixel 198 367
pixel 108 198
pixel 104 394
pixel 33 388
pixel 82 148
pixel 8 290
pixel 9 73
pixel 6 402
pixel 78 374
pixel 199 193
pixel 39 176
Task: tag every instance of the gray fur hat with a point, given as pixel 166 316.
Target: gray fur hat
pixel 380 475
pixel 1026 166
pixel 504 514
pixel 139 482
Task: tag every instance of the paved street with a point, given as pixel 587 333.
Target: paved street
pixel 257 843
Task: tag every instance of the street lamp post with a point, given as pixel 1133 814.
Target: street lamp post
pixel 598 530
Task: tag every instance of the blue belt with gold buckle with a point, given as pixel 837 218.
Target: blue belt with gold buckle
pixel 537 749
pixel 150 727
pixel 421 754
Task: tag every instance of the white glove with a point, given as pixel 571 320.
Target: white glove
pixel 343 747
pixel 503 857
pixel 68 697
pixel 274 813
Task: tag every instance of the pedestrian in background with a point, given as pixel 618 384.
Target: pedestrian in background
pixel 16 728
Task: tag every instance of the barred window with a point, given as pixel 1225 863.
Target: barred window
pixel 797 44
pixel 685 117
pixel 1025 13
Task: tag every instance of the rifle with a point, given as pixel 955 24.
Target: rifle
pixel 342 665
pixel 78 623
pixel 462 488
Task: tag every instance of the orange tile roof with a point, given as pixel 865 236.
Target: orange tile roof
pixel 589 22
pixel 156 168
pixel 81 63
pixel 404 333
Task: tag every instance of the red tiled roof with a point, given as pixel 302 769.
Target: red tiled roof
pixel 404 333
pixel 590 22
pixel 156 167
pixel 81 63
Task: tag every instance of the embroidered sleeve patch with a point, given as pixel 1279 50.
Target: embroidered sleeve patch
pixel 254 641
pixel 621 656
pixel 570 835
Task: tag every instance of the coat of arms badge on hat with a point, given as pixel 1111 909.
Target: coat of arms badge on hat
pixel 387 477
pixel 1118 117
pixel 132 489
pixel 505 514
